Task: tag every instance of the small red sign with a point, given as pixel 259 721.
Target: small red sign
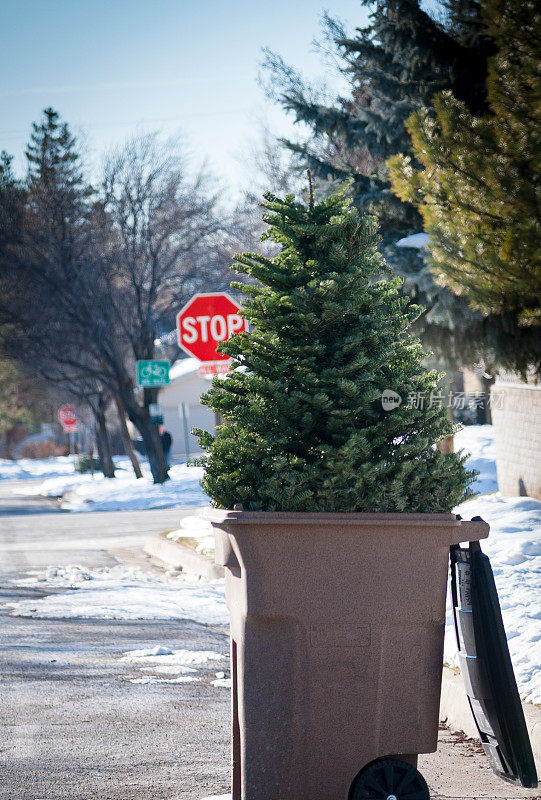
pixel 206 321
pixel 214 367
pixel 67 416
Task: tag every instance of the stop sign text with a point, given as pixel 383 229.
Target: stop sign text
pixel 205 321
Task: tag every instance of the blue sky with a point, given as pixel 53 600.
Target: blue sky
pixel 113 68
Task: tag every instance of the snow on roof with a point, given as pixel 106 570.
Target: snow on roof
pixel 186 366
pixel 418 240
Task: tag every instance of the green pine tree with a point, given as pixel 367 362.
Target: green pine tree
pixel 304 424
pixel 58 195
pixel 12 409
pixel 479 191
pixel 395 65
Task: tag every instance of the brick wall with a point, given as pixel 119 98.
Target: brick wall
pixel 516 415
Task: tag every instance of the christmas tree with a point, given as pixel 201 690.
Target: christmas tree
pixel 479 189
pixel 305 427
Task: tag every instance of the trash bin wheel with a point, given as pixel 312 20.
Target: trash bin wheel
pixel 389 779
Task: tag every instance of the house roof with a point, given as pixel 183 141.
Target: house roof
pixel 186 366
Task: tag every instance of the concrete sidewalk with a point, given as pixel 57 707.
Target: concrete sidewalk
pixel 455 712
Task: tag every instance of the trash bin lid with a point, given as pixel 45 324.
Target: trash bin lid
pixel 487 669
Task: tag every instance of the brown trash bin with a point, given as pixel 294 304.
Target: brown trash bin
pixel 337 624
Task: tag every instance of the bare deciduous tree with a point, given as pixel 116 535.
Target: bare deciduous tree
pixel 106 271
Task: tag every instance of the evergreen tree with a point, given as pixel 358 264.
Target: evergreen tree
pixel 58 195
pixel 12 198
pixel 12 408
pixel 395 65
pixel 479 192
pixel 305 428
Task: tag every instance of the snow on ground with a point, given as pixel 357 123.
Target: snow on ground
pixel 163 657
pixel 27 468
pixel 514 549
pixel 195 527
pixel 123 593
pixel 165 662
pixel 84 492
pixel 154 679
pixel 478 441
pixel 221 682
pixel 217 797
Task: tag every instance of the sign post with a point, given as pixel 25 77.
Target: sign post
pixel 206 321
pixel 156 413
pixel 186 430
pixel 67 416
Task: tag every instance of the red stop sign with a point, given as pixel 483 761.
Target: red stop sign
pixel 205 321
pixel 67 416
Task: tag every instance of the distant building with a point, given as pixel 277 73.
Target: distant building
pixel 516 413
pixel 184 392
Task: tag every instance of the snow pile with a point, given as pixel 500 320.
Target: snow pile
pixel 69 576
pixel 84 492
pixel 28 468
pixel 153 679
pixel 164 657
pixel 123 593
pixel 161 659
pixel 197 528
pixel 218 797
pixel 221 681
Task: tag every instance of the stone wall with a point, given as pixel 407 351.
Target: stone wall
pixel 516 415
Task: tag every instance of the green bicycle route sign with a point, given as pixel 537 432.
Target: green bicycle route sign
pixel 152 373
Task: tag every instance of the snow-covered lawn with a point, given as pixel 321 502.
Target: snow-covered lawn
pixel 28 468
pixel 84 492
pixel 514 549
pixel 478 441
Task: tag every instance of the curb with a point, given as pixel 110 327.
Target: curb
pixel 178 556
pixel 455 712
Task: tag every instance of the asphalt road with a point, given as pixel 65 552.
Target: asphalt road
pixel 73 725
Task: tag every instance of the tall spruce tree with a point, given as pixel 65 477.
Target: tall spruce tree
pixel 395 65
pixel 305 428
pixel 58 195
pixel 479 191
